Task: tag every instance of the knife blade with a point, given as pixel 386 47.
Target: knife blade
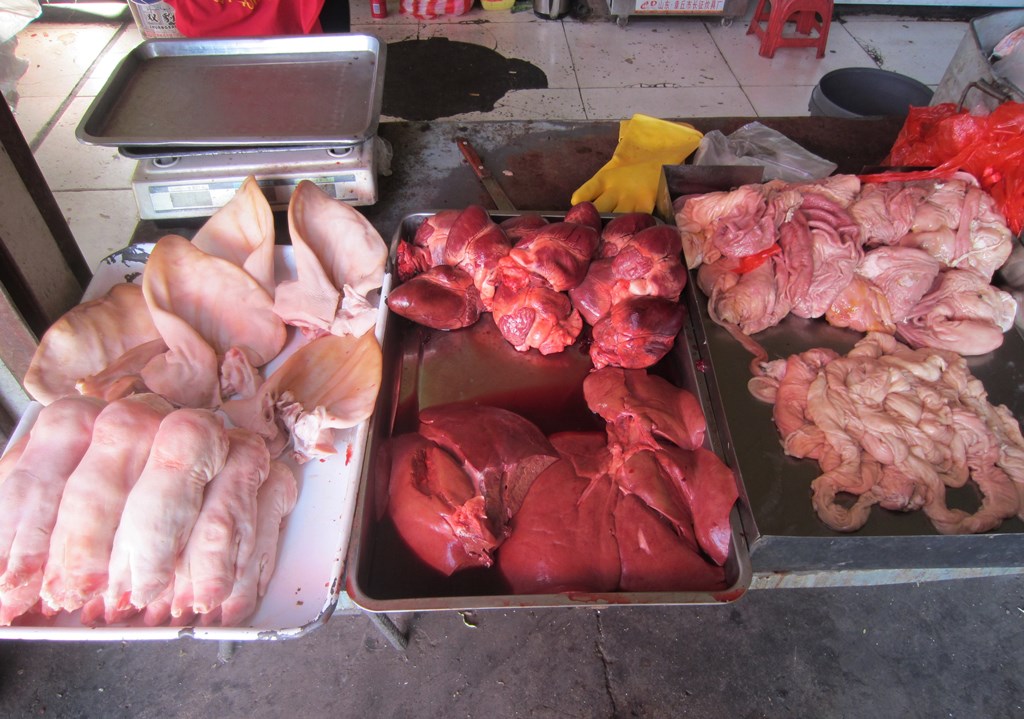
pixel 483 174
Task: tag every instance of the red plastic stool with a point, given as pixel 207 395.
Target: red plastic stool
pixel 811 15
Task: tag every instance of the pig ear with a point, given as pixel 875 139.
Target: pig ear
pixel 87 339
pixel 194 299
pixel 348 248
pixel 335 378
pixel 242 232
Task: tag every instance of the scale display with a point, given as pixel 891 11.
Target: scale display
pixel 198 185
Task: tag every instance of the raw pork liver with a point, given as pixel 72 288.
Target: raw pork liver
pixel 435 508
pixel 563 538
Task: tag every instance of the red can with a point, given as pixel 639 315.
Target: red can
pixel 379 8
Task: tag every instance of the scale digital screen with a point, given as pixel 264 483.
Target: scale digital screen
pixel 168 198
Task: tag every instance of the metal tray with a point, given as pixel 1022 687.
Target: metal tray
pixel 782 529
pixel 241 92
pixel 306 585
pixel 425 367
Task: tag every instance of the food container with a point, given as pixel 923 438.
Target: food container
pixel 423 368
pixel 781 528
pixel 306 584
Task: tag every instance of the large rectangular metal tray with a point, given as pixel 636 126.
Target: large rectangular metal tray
pixel 307 581
pixel 241 92
pixel 782 529
pixel 424 368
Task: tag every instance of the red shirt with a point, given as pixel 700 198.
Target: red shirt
pixel 246 18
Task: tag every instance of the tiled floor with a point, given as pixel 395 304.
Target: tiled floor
pixel 668 67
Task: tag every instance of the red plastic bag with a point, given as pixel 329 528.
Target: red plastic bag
pixel 246 18
pixel 989 147
pixel 432 9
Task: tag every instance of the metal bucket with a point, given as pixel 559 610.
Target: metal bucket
pixel 970 78
pixel 551 9
pixel 867 92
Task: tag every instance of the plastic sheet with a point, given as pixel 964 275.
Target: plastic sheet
pixel 756 144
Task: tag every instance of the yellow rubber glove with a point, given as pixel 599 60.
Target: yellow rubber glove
pixel 629 181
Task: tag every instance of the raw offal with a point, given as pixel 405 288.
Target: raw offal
pixel 844 251
pixel 242 232
pixel 627 510
pixel 523 268
pixel 644 263
pixel 641 408
pixel 500 451
pixel 896 426
pixel 204 307
pixel 441 297
pixel 327 384
pixel 531 315
pixel 477 246
pixel 340 260
pixel 87 339
pixel 457 481
pixel 563 538
pixel 435 508
pixel 637 332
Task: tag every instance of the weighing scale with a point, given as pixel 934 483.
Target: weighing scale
pixel 202 114
pixel 197 184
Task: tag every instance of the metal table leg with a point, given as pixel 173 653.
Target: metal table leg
pixel 396 638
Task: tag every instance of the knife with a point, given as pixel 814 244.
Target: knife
pixel 483 174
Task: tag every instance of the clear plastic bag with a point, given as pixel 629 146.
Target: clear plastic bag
pixel 756 144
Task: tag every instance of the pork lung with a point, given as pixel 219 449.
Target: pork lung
pixel 443 298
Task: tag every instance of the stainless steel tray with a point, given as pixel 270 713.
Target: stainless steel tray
pixel 241 92
pixel 307 581
pixel 477 364
pixel 782 529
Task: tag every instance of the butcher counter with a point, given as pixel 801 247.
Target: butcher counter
pixel 539 164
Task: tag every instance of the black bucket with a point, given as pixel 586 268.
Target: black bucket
pixel 867 92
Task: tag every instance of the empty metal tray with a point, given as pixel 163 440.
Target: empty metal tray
pixel 241 92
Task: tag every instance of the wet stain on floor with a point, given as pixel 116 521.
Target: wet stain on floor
pixel 436 78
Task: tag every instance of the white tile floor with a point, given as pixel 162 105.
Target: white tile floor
pixel 668 66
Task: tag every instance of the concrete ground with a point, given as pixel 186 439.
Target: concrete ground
pixel 939 649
